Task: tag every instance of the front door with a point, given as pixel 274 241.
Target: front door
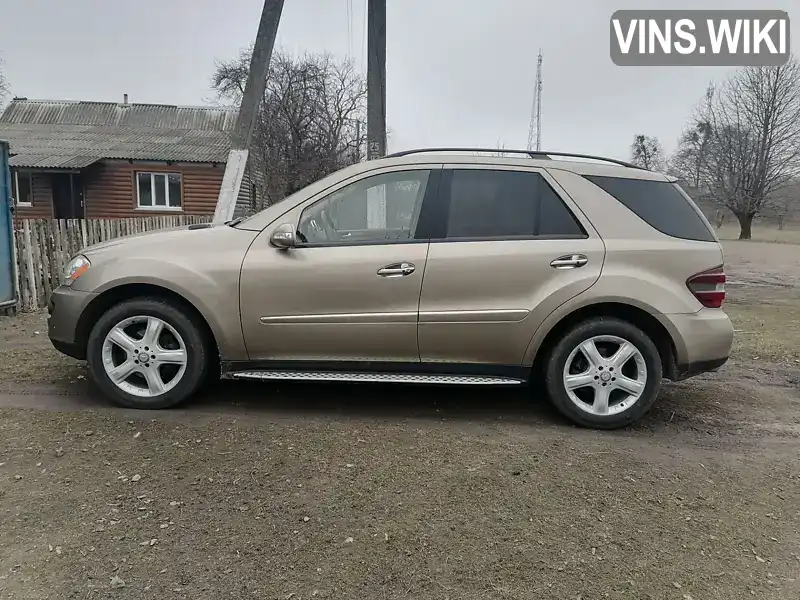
pixel 349 290
pixel 67 196
pixel 500 261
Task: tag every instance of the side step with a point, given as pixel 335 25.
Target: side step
pixel 374 377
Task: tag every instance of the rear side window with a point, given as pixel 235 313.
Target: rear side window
pixel 506 204
pixel 659 203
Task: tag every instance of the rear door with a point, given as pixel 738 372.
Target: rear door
pixel 509 246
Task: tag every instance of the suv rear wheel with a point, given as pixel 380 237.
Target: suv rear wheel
pixel 604 373
pixel 147 353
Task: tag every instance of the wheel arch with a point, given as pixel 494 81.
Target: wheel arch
pixel 546 337
pixel 128 291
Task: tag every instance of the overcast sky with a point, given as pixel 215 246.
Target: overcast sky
pixel 459 72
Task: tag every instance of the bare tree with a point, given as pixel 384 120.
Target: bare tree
pixel 786 203
pixel 753 149
pixel 647 152
pixel 310 122
pixel 689 159
pixel 688 162
pixel 3 85
pixel 501 147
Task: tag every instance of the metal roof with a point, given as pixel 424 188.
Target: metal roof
pixel 98 130
pixel 39 161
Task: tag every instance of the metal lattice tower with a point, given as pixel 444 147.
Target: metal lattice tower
pixel 535 130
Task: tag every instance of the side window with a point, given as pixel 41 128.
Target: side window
pixel 23 188
pixel 379 208
pixel 660 204
pixel 555 219
pixel 506 204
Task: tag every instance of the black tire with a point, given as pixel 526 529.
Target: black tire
pixel 554 372
pixel 185 325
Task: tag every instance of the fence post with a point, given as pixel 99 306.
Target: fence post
pixel 26 229
pixel 15 265
pixel 85 234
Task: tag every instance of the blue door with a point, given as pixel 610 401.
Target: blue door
pixel 6 234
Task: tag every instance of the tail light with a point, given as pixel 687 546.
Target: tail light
pixel 708 287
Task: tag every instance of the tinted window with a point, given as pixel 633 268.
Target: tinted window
pixel 492 204
pixel 660 204
pixel 378 208
pixel 555 219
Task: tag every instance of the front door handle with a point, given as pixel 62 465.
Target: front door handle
pixel 570 261
pixel 397 270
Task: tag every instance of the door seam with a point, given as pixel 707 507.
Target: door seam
pixel 419 298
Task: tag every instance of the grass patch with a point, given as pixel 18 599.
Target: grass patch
pixel 767 323
pixel 761 233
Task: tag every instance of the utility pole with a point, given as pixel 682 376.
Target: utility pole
pixel 376 79
pixel 248 110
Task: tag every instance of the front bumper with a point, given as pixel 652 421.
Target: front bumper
pixel 65 308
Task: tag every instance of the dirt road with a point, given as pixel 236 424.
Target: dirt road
pixel 317 491
pixel 299 491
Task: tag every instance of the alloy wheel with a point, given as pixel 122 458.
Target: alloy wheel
pixel 144 356
pixel 605 375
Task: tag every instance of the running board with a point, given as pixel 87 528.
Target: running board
pixel 374 377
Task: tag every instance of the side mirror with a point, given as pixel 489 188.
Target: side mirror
pixel 283 237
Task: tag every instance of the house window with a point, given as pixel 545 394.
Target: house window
pixel 158 191
pixel 23 188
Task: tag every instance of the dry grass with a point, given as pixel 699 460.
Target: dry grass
pixel 767 323
pixel 762 233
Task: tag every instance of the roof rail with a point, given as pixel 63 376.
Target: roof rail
pixel 538 154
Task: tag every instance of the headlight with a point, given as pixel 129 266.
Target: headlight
pixel 75 268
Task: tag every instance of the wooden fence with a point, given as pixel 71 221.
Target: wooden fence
pixel 42 248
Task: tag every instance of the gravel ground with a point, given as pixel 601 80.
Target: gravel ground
pixel 240 502
pixel 333 491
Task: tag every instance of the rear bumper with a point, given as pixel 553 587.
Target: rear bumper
pixel 690 370
pixel 703 341
pixel 65 308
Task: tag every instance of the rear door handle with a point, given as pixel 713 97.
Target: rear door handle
pixel 570 261
pixel 397 270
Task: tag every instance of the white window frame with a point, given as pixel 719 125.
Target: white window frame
pixel 16 190
pixel 156 207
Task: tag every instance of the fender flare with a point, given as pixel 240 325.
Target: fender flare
pixel 566 310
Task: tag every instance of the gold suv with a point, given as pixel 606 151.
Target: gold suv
pixel 428 266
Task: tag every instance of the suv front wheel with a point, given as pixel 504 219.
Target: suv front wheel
pixel 147 353
pixel 604 373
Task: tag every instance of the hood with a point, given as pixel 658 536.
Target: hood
pixel 158 236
